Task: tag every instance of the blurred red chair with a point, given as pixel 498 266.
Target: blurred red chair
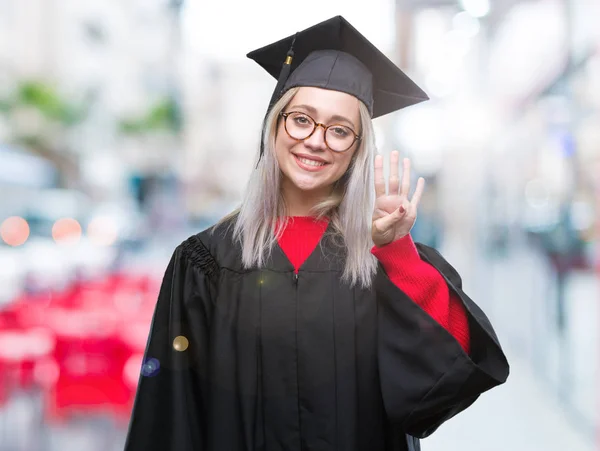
pixel 20 351
pixel 90 358
pixel 82 346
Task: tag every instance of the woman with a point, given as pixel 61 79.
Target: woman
pixel 300 322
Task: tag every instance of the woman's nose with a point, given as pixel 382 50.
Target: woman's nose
pixel 317 140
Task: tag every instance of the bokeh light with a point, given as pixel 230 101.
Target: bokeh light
pixel 132 369
pixel 476 8
pixel 66 231
pixel 14 231
pixel 102 231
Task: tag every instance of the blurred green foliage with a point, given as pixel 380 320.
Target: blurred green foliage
pixel 46 99
pixel 49 103
pixel 59 114
pixel 163 116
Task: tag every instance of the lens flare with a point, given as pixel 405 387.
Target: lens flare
pixel 180 343
pixel 150 367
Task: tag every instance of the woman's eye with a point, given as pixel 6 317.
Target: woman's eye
pixel 302 120
pixel 340 131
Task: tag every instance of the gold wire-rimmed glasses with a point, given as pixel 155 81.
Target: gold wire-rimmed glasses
pixel 301 126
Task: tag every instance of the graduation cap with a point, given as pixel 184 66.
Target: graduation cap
pixel 334 55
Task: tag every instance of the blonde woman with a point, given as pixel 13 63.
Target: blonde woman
pixel 308 319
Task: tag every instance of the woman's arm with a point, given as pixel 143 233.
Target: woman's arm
pixel 168 413
pixel 425 286
pixel 426 376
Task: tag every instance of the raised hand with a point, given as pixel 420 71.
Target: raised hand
pixel 394 215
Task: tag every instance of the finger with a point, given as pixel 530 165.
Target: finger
pixel 405 178
pixel 379 180
pixel 387 222
pixel 394 183
pixel 418 192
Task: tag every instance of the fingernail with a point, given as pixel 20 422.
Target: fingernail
pixel 402 209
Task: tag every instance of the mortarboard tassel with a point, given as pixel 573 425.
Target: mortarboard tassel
pixel 283 76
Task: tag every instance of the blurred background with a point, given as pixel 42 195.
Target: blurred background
pixel 128 125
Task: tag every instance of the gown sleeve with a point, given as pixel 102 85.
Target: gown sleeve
pixel 168 410
pixel 424 285
pixel 426 376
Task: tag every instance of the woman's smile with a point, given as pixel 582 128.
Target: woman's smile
pixel 310 163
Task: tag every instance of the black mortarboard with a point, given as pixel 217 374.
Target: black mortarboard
pixel 334 55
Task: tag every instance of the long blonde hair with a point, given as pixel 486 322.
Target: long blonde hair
pixel 349 207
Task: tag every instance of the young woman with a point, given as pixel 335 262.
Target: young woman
pixel 308 319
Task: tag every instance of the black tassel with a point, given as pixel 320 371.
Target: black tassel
pixel 283 76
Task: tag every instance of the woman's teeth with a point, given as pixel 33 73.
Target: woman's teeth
pixel 311 162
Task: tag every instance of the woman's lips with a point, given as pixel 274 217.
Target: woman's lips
pixel 307 166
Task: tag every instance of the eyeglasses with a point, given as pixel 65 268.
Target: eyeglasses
pixel 301 126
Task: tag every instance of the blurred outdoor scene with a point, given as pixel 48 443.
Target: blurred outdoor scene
pixel 128 125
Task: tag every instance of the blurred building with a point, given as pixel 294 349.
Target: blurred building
pixel 115 59
pixel 224 103
pixel 511 138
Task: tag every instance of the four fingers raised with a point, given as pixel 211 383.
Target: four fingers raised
pixel 394 187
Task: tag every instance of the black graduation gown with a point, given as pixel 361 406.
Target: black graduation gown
pixel 279 362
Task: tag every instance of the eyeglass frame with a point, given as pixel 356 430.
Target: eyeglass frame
pixel 315 126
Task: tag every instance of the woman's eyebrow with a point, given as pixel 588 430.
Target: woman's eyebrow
pixel 343 119
pixel 313 110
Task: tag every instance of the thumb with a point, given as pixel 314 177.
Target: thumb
pixel 387 222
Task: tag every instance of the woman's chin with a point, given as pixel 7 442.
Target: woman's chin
pixel 308 185
pixel 307 181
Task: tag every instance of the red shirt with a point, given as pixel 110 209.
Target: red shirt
pixel 401 261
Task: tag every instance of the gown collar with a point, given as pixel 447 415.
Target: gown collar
pixel 328 255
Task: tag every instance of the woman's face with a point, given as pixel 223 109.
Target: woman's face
pixel 325 166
